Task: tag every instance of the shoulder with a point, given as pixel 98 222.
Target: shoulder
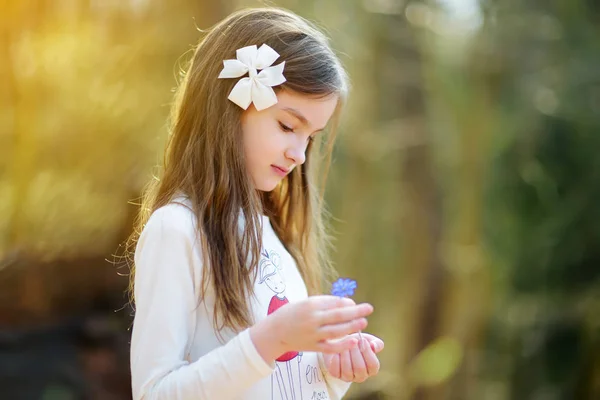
pixel 166 252
pixel 173 219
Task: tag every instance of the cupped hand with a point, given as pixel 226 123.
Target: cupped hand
pixel 358 363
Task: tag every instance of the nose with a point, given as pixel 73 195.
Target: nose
pixel 296 154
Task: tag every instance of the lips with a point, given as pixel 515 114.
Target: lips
pixel 280 170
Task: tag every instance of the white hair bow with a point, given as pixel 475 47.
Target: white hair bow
pixel 256 88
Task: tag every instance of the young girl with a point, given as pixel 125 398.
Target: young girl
pixel 232 240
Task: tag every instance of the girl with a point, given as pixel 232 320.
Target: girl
pixel 232 240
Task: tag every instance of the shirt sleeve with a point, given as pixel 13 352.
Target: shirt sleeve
pixel 166 262
pixel 337 388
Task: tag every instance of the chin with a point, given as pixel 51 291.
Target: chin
pixel 268 186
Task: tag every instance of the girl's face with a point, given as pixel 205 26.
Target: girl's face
pixel 275 139
pixel 276 283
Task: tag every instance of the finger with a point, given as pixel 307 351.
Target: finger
pixel 344 314
pixel 326 302
pixel 369 336
pixel 371 361
pixel 336 345
pixel 334 366
pixel 359 368
pixel 346 366
pixel 376 343
pixel 343 329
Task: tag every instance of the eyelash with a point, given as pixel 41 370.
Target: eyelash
pixel 286 128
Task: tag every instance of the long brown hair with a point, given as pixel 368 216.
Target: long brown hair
pixel 204 160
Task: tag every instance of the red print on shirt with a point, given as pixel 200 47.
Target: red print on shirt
pixel 275 304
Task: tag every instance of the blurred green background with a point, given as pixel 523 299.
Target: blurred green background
pixel 465 187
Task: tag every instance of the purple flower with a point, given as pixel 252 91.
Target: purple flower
pixel 343 287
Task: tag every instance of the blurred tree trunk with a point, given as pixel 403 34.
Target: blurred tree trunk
pixel 469 286
pixel 402 104
pixel 468 290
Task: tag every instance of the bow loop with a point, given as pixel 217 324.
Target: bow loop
pixel 247 55
pixel 266 57
pixel 272 76
pixel 233 69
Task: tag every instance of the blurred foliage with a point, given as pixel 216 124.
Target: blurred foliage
pixel 464 187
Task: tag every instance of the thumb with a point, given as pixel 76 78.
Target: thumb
pixel 377 345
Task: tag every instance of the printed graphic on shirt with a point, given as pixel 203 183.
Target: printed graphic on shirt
pixel 290 374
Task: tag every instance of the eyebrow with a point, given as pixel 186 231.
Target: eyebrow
pixel 301 117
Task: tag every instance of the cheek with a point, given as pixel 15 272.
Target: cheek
pixel 256 132
pixel 251 137
pixel 262 141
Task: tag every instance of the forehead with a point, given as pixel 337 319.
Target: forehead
pixel 317 111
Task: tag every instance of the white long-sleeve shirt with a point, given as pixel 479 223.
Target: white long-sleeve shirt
pixel 175 352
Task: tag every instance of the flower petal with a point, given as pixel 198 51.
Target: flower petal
pixel 343 287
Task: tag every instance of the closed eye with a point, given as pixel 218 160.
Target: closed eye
pixel 285 128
